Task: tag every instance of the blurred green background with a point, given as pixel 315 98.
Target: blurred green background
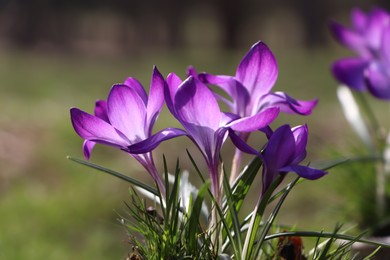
pixel 60 54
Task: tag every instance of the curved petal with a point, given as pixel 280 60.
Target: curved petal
pixel 287 104
pixel 378 20
pixel 127 112
pixel 347 37
pixel 87 148
pixel 258 70
pixel 378 83
pixel 300 135
pixel 304 171
pixel 191 71
pixel 231 86
pixel 241 144
pixel 152 142
pixel 101 110
pixel 134 84
pixel 196 105
pixel 385 47
pixel 92 128
pixel 256 122
pixel 359 19
pixel 156 99
pixel 280 149
pixel 350 72
pixel 173 83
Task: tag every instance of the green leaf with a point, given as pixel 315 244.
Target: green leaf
pixel 251 235
pixel 116 174
pixel 195 214
pixel 232 218
pixel 243 183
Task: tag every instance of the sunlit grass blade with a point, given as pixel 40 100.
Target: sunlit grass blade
pixel 232 217
pixel 325 235
pixel 116 174
pixel 251 236
pixel 244 181
pixel 195 215
pixel 273 215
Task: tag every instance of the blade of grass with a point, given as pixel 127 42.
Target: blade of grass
pixel 116 174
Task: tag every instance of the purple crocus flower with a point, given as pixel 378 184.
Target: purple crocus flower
pixel 196 108
pixel 126 118
pixel 367 38
pixel 250 89
pixel 284 151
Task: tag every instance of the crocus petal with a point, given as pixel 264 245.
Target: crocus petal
pixel 153 141
pixel 87 148
pixel 231 86
pixel 258 70
pixel 377 22
pixel 101 110
pixel 287 104
pixel 173 83
pixel 280 149
pixel 241 144
pixel 347 37
pixel 350 72
pixel 256 122
pixel 137 87
pixel 156 99
pixel 195 104
pixel 304 171
pixel 385 47
pixel 359 19
pixel 378 83
pixel 127 112
pixel 92 128
pixel 192 72
pixel 300 135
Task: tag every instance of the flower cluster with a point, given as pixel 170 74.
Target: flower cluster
pixel 126 119
pixel 369 38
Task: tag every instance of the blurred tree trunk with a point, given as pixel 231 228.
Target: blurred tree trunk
pixel 25 29
pixel 231 16
pixel 315 15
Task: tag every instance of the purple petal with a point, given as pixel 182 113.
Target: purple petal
pixel 127 112
pixel 359 20
pixel 256 122
pixel 377 22
pixel 258 70
pixel 137 87
pixel 350 72
pixel 304 171
pixel 87 148
pixel 287 104
pixel 385 47
pixel 101 110
pixel 280 149
pixel 378 83
pixel 92 128
pixel 241 144
pixel 231 86
pixel 347 37
pixel 152 142
pixel 173 83
pixel 156 99
pixel 196 105
pixel 300 135
pixel 192 72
